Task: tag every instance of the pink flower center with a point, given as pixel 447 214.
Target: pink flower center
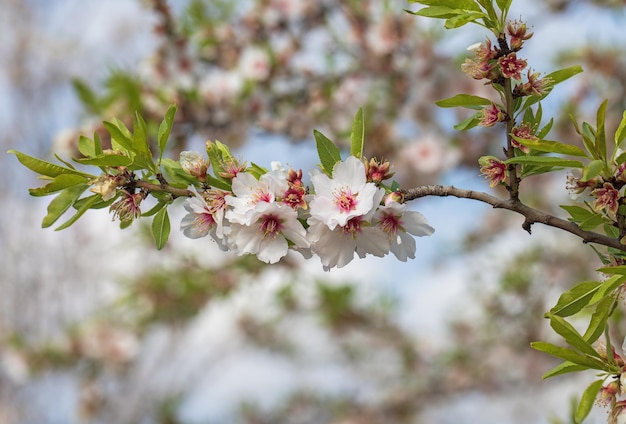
pixel 262 196
pixel 345 200
pixel 390 223
pixel 270 225
pixel 352 227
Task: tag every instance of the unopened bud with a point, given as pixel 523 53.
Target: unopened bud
pixel 194 164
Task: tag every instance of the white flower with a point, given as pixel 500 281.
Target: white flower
pixel 193 163
pixel 398 224
pixel 336 247
pixel 271 227
pixel 248 191
pixel 254 64
pixel 344 196
pixel 204 218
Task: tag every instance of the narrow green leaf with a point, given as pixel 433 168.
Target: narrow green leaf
pixel 599 318
pixel 463 18
pixel 587 401
pixel 84 207
pixel 439 12
pixel 86 146
pixel 161 228
pixel 600 131
pixel 567 354
pixel 545 161
pixel 564 367
pixel 166 128
pixel 62 203
pixel 464 100
pixel 468 123
pixel 571 336
pixel 552 146
pixel 576 298
pixel 328 153
pixel 453 4
pixel 45 168
pixel 357 136
pixel 613 270
pixel 608 286
pixel 620 134
pixel 106 160
pixel 577 213
pixel 60 182
pixel 561 75
pixel 119 140
pixel 504 5
pixel 156 208
pixel 592 170
pixel 97 144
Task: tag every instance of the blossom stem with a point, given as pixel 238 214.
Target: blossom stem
pixel 530 214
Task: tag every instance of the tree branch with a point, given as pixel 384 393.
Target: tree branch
pixel 166 188
pixel 532 215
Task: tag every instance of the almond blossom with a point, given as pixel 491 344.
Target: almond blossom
pixel 205 217
pixel 398 224
pixel 271 228
pixel 344 196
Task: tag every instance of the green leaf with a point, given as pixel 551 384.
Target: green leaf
pixel 166 128
pixel 106 160
pixel 453 4
pixel 564 367
pixel 468 123
pixel 592 170
pixel 357 136
pixel 87 96
pixel 577 213
pixel 600 132
pixel 464 100
pixel 86 146
pixel 561 75
pixel 62 203
pixel 176 175
pixel 608 286
pixel 571 336
pixel 256 170
pixel 620 134
pixel 587 401
pixel 613 270
pixel 592 222
pixel 60 182
pixel 568 355
pixel 161 228
pixel 599 318
pixel 84 207
pixel 119 139
pixel 551 146
pixel 439 12
pixel 45 168
pixel 327 151
pixel 504 5
pixel 462 19
pixel 576 298
pixel 545 161
pixel 156 208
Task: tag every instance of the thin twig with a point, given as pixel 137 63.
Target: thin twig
pixel 165 188
pixel 532 215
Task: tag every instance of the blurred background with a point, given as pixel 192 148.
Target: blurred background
pixel 96 326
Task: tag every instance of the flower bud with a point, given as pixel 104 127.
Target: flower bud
pixel 377 171
pixel 194 164
pixel 491 116
pixel 493 169
pixel 607 199
pixel 517 32
pixel 396 196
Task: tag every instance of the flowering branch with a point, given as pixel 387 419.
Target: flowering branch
pixel 530 214
pixel 165 188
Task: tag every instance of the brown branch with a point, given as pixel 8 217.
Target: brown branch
pixel 165 188
pixel 532 215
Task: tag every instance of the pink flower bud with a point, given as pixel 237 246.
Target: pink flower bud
pixel 493 169
pixel 607 199
pixel 491 116
pixel 194 164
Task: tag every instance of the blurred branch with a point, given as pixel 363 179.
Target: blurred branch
pixel 532 215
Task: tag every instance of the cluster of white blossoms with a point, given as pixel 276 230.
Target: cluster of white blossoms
pixel 346 213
